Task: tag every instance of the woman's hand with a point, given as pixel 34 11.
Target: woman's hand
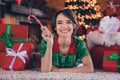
pixel 46 61
pixel 46 34
pixel 55 69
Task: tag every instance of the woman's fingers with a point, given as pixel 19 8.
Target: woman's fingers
pixel 43 28
pixel 45 32
pixel 55 69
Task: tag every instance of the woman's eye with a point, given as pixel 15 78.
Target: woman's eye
pixel 69 22
pixel 59 22
pixel 62 22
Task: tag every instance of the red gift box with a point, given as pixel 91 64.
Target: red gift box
pixel 111 61
pixel 12 33
pixel 2 57
pixel 36 60
pixel 97 54
pixel 18 56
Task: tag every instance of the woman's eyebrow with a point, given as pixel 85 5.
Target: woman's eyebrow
pixel 69 20
pixel 59 20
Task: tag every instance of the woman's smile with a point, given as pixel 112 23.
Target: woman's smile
pixel 64 26
pixel 64 30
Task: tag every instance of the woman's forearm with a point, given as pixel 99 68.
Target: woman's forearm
pixel 46 61
pixel 76 69
pixel 87 66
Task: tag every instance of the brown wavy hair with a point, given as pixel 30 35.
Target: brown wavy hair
pixel 68 13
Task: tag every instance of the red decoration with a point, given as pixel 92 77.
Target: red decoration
pixel 2 20
pixel 18 2
pixel 83 6
pixel 113 8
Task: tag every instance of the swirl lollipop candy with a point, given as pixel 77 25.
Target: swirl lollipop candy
pixel 39 22
pixel 29 19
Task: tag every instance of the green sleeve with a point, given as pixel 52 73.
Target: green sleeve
pixel 81 51
pixel 43 47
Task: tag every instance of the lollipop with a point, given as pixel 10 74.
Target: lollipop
pixel 29 20
pixel 39 22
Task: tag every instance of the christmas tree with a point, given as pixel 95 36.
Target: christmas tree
pixel 87 12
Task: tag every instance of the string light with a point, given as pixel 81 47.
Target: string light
pixel 87 12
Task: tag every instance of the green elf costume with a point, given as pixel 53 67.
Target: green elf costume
pixel 74 56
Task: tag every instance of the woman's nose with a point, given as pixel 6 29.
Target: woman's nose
pixel 65 25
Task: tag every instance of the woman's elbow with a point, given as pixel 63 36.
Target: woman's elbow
pixel 90 69
pixel 45 69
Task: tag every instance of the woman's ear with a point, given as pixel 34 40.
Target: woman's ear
pixel 55 28
pixel 74 26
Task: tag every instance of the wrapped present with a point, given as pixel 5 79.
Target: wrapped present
pixel 111 61
pixel 12 33
pixel 36 60
pixel 97 54
pixel 2 57
pixel 17 56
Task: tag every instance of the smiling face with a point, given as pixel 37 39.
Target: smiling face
pixel 64 26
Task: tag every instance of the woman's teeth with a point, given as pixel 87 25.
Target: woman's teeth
pixel 64 31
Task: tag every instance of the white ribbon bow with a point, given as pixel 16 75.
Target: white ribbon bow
pixel 22 55
pixel 112 5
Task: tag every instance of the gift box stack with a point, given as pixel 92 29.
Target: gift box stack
pixel 111 61
pixel 15 50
